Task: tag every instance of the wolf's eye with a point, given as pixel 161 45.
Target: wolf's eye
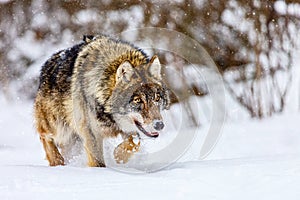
pixel 137 100
pixel 157 97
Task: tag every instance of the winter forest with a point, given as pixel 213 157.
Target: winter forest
pixel 254 45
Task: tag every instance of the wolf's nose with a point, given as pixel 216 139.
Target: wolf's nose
pixel 158 125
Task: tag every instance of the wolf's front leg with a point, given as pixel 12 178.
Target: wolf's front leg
pixel 127 148
pixel 94 149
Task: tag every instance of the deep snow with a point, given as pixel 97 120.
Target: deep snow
pixel 252 160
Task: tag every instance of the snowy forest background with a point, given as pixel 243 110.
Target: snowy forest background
pixel 253 43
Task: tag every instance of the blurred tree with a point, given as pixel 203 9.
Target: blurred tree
pixel 250 41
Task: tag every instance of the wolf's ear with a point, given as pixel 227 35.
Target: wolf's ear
pixel 124 72
pixel 155 68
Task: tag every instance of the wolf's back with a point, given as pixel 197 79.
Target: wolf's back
pixel 99 56
pixel 56 73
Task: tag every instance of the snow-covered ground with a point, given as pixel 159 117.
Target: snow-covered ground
pixel 252 160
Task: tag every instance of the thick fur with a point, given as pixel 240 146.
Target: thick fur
pixel 99 88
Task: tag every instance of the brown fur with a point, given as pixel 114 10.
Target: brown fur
pixel 79 95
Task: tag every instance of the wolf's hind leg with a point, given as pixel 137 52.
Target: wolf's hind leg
pixel 52 153
pixel 70 149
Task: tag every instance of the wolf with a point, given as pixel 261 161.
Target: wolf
pixel 99 88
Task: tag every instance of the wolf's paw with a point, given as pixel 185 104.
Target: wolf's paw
pixel 126 149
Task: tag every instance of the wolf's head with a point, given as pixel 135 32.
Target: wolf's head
pixel 138 98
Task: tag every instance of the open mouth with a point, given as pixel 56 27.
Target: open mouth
pixel 141 128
